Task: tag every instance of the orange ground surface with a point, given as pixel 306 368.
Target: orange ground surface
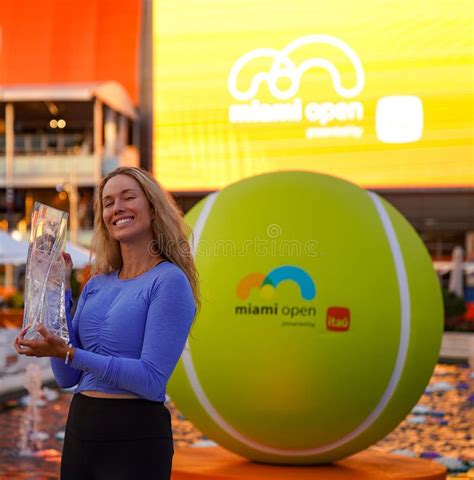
pixel 215 463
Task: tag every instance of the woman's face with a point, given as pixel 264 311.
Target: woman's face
pixel 125 209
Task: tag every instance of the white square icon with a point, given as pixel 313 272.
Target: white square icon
pixel 399 119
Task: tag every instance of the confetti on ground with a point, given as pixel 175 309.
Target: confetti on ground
pixel 446 433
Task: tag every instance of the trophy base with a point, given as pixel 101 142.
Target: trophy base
pixel 209 463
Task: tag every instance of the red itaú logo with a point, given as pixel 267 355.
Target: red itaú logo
pixel 338 319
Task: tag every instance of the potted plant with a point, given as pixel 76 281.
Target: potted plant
pixel 454 311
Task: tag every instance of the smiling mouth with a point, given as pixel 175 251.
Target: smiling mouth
pixel 122 221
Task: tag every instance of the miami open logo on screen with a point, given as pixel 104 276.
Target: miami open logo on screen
pixel 399 118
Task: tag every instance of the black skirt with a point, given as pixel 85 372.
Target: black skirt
pixel 120 439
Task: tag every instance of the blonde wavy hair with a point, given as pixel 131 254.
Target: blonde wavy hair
pixel 170 232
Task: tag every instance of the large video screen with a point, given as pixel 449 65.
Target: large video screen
pixel 378 93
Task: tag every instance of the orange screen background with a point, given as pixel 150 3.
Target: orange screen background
pixel 61 41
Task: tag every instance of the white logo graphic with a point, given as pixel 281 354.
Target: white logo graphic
pixel 283 67
pixel 399 119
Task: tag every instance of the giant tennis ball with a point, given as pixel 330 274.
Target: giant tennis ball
pixel 321 319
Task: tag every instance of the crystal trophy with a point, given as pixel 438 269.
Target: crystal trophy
pixel 45 273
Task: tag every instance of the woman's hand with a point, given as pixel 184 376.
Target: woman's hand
pixel 68 264
pixel 50 346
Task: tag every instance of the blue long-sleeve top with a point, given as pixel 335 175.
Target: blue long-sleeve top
pixel 128 334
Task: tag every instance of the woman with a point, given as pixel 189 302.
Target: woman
pixel 128 332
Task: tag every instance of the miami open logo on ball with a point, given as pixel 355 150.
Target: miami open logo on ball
pixel 337 318
pixel 267 285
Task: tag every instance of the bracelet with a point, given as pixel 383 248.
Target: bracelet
pixel 67 354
